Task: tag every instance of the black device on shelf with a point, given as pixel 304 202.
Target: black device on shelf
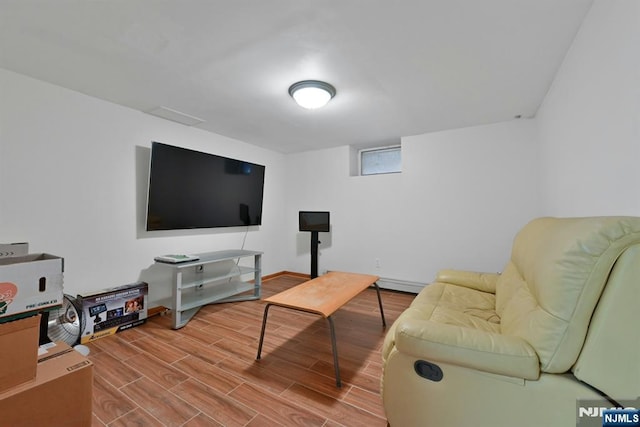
pixel 315 222
pixel 191 189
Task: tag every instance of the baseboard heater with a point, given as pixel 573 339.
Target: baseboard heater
pixel 400 285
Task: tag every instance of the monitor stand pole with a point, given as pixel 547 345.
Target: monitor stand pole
pixel 314 254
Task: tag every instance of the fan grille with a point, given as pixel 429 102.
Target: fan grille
pixel 65 322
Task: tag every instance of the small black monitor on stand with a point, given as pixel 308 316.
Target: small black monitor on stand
pixel 315 222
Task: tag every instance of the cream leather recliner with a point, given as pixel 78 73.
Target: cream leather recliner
pixel 558 327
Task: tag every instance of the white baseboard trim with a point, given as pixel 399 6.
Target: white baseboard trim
pixel 383 282
pixel 400 285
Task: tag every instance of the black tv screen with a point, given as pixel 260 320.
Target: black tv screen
pixel 313 221
pixel 191 189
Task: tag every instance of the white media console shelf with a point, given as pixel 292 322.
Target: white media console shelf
pixel 214 278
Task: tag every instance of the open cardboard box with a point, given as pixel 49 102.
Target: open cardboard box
pixel 29 283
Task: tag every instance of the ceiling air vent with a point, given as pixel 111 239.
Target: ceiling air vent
pixel 175 116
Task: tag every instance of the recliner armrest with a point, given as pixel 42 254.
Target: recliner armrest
pixel 482 350
pixel 484 282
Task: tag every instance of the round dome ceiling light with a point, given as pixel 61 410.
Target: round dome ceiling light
pixel 312 94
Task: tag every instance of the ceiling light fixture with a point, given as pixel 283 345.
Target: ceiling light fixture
pixel 312 94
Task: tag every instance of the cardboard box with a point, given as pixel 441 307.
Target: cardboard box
pixel 13 249
pixel 29 283
pixel 18 351
pixel 60 395
pixel 113 310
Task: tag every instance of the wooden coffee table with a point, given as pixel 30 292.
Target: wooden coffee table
pixel 323 295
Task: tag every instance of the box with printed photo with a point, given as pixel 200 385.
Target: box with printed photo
pixel 30 283
pixel 113 310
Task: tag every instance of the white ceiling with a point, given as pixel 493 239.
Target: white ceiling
pixel 400 67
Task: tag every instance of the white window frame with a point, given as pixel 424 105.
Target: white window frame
pixel 363 151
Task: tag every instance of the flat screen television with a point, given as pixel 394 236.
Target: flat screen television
pixel 313 221
pixel 191 189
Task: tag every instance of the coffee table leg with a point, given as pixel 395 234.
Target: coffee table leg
pixel 384 322
pixel 335 352
pixel 264 325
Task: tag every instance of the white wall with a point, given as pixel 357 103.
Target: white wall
pixel 73 176
pixel 589 122
pixel 73 172
pixel 458 202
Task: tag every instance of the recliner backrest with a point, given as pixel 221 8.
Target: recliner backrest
pixel 610 356
pixel 551 285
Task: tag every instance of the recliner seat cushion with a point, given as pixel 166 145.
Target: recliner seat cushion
pixel 448 304
pixel 457 305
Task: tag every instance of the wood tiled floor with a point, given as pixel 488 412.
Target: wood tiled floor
pixel 206 374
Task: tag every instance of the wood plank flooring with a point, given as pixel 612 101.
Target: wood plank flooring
pixel 206 374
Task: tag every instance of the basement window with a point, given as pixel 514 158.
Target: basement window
pixel 381 160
